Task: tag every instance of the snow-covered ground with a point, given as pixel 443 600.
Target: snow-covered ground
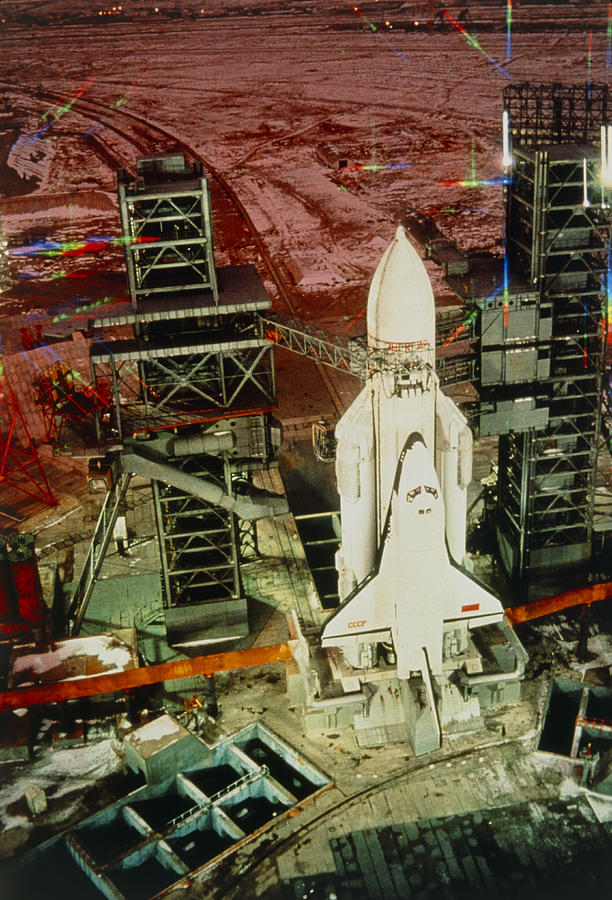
pixel 273 101
pixel 101 653
pixel 57 772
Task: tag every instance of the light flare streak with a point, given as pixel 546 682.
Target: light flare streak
pixel 62 274
pixel 115 105
pixel 606 306
pixel 475 44
pixel 589 60
pixel 508 29
pixel 450 210
pixel 507 160
pixel 473 161
pixel 375 167
pixel 460 328
pixel 506 276
pixel 61 110
pixel 374 29
pixel 476 182
pixel 585 185
pixel 78 248
pixel 606 159
pixel 65 311
pixel 57 111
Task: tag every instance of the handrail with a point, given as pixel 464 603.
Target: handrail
pixel 102 535
pixel 587 722
pixel 247 778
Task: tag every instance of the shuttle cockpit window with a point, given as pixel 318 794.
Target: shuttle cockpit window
pixel 413 493
pixel 431 490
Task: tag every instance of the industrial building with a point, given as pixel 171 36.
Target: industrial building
pixel 198 802
pixel 558 239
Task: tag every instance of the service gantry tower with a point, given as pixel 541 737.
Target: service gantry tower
pixel 192 380
pixel 558 243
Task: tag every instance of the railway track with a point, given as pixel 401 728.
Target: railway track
pixel 149 139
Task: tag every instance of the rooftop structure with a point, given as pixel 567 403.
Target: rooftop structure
pixel 72 658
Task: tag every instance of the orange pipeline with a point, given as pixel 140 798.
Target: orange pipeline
pixel 579 597
pixel 133 678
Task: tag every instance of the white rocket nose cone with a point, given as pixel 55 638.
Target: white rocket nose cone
pixel 401 309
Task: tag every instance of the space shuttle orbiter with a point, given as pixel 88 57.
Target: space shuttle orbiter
pixel 403 463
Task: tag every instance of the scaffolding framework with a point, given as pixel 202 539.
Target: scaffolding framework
pixel 192 361
pixel 167 229
pixel 65 406
pixel 555 113
pixel 558 240
pixel 356 358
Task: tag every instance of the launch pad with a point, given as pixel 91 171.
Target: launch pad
pixel 380 708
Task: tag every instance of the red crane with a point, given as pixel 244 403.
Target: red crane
pixel 20 467
pixel 63 402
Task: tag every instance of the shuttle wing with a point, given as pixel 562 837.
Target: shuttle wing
pixel 368 610
pixel 468 599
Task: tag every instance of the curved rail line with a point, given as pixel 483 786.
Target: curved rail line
pixel 270 850
pixel 154 133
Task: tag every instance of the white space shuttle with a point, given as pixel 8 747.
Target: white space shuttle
pixel 403 464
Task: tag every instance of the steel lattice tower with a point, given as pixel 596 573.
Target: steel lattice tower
pixel 558 241
pixel 197 366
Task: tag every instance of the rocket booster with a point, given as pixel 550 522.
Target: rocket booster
pixel 403 464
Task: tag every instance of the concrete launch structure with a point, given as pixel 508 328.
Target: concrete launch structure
pixel 408 608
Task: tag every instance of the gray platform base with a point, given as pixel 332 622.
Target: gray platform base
pixel 210 622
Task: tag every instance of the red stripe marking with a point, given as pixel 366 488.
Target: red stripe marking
pixel 470 607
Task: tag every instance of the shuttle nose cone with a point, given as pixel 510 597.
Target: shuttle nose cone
pixel 401 309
